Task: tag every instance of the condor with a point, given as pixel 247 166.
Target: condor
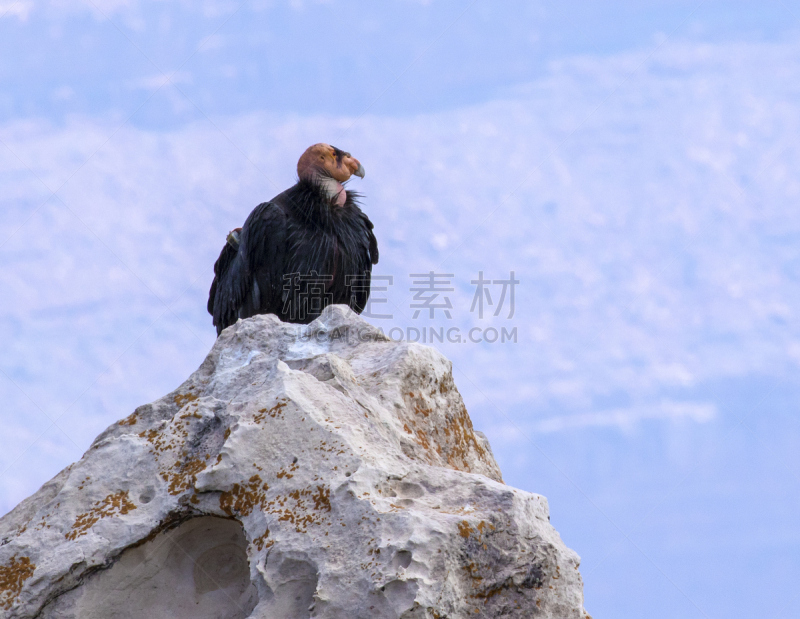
pixel 307 248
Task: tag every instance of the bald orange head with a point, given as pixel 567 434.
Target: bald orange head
pixel 324 160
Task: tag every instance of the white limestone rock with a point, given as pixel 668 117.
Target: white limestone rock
pixel 301 471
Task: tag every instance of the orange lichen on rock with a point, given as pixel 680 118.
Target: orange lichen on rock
pixel 287 474
pixel 296 509
pixel 463 440
pixel 422 439
pixel 465 529
pixel 241 499
pixel 483 525
pixel 183 476
pixel 113 505
pixel 130 419
pixel 159 441
pixel 12 577
pixel 485 585
pixel 274 412
pixel 421 410
pixel 439 423
pixel 322 498
pixel 262 542
pixel 183 399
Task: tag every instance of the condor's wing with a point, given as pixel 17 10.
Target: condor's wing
pixel 245 277
pixel 363 253
pixel 228 288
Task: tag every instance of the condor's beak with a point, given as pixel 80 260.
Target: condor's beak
pixel 360 172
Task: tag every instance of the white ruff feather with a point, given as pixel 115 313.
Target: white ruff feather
pixel 333 189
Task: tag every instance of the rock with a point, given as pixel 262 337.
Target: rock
pixel 301 471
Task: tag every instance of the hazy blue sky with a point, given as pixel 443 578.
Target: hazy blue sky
pixel 636 164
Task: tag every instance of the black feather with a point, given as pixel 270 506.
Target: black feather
pixel 297 254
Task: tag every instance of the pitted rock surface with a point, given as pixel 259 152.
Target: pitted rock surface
pixel 301 471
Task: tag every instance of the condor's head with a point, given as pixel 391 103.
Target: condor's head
pixel 329 167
